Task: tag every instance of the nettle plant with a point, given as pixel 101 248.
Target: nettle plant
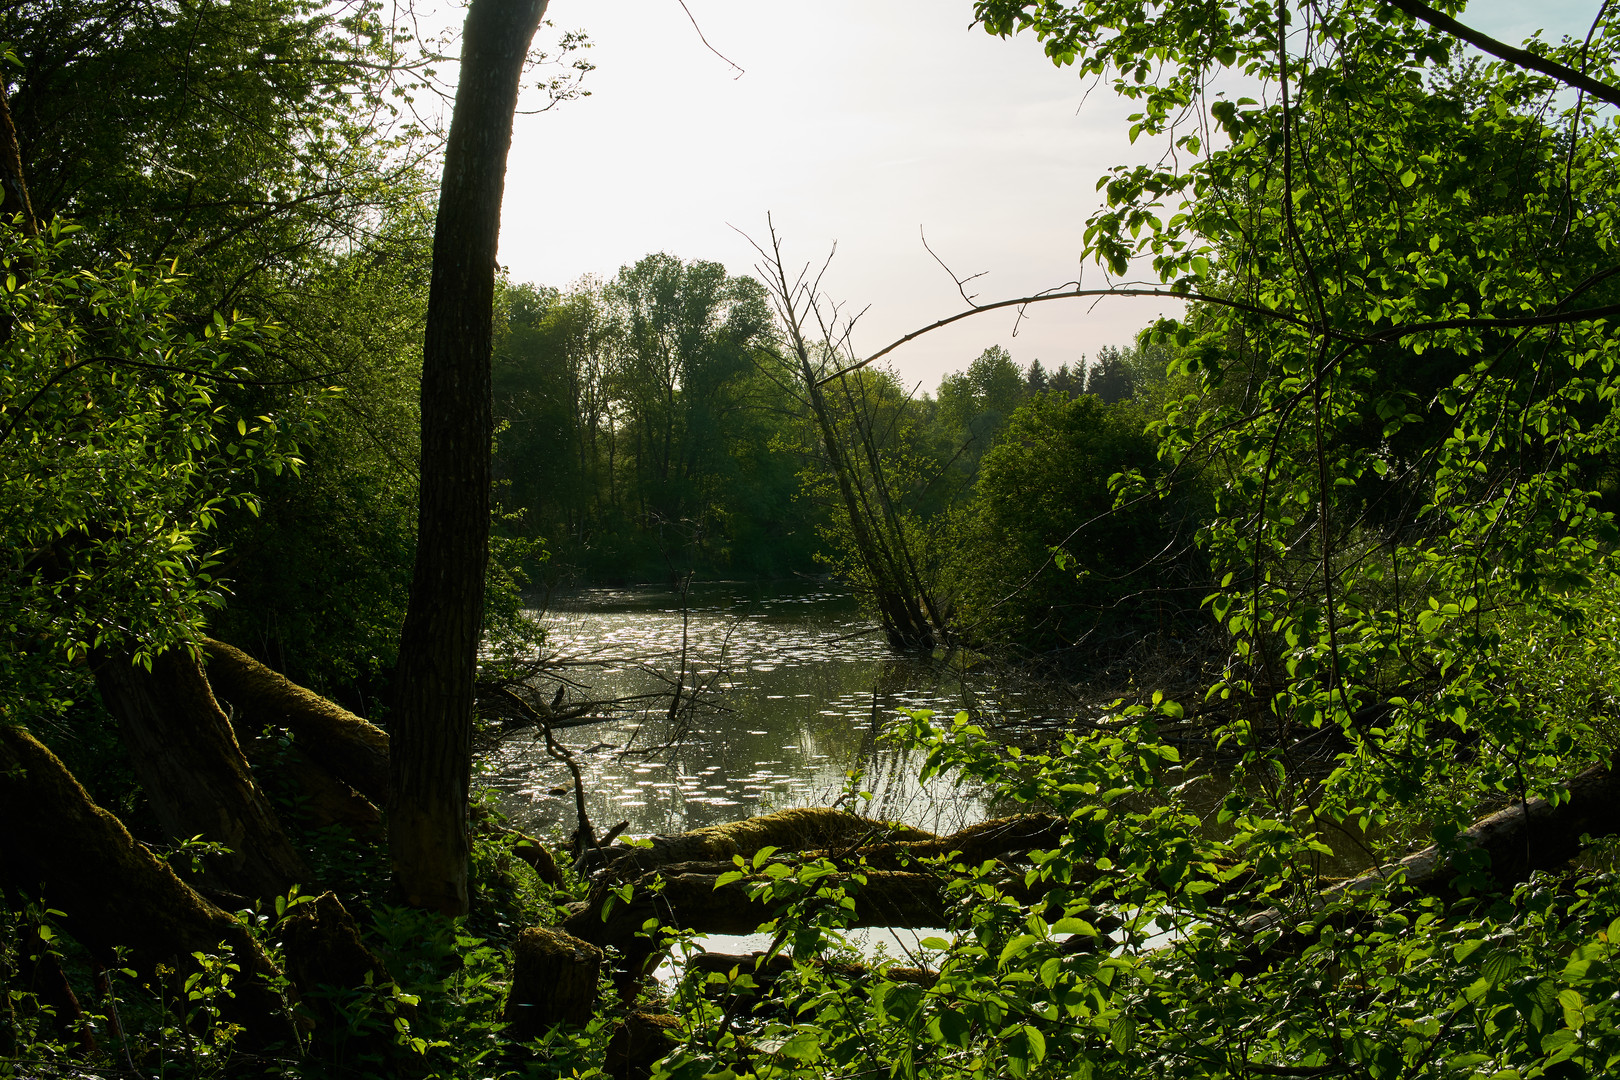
pixel 1158 941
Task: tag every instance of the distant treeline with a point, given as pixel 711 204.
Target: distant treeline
pixel 650 426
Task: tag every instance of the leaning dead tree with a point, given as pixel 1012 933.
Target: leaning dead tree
pixel 883 540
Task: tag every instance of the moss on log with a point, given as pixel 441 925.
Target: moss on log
pixel 553 982
pixel 893 887
pixel 994 839
pixel 805 829
pixel 114 892
pixel 350 748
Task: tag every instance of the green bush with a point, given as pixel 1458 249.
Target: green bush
pixel 1052 551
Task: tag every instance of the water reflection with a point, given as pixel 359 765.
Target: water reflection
pixel 797 689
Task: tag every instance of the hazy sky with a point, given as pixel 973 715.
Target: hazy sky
pixel 856 122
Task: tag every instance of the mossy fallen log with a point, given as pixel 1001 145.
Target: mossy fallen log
pixel 353 749
pixel 692 897
pixel 804 829
pixel 887 880
pixel 972 846
pixel 114 893
pixel 1505 848
pixel 193 771
pixel 1496 853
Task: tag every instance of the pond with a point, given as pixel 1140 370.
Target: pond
pixel 796 690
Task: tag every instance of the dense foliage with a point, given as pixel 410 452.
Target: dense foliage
pixel 121 463
pixel 643 438
pixel 1388 417
pixel 1042 556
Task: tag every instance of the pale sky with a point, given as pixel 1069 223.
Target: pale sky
pixel 856 122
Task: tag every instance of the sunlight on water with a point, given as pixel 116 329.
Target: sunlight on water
pixel 797 690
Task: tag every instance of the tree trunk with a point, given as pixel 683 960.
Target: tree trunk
pixel 193 771
pixel 431 763
pixel 115 893
pixel 895 588
pixel 553 982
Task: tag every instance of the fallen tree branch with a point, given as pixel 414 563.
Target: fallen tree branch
pixel 803 829
pixel 882 870
pixel 352 749
pixel 1515 842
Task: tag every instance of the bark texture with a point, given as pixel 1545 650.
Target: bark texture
pixel 431 758
pixel 553 982
pixel 193 771
pixel 352 749
pixel 114 892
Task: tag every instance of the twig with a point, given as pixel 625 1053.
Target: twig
pixel 711 48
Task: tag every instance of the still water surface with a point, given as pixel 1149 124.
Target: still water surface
pixel 798 691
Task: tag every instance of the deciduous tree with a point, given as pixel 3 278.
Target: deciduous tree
pixel 431 749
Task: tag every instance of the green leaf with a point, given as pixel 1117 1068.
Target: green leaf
pixel 899 1002
pixel 1035 1041
pixel 803 1046
pixel 1070 924
pixel 1573 1006
pixel 950 1028
pixel 1122 1033
pixel 1016 947
pixel 1498 965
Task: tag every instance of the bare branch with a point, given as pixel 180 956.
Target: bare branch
pixel 961 282
pixel 711 48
